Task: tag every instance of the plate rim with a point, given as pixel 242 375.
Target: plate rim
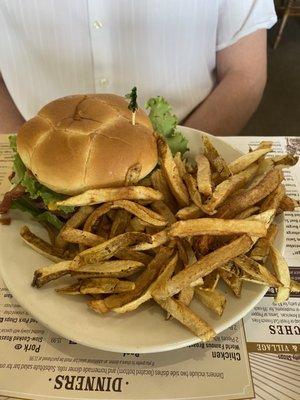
pixel 150 348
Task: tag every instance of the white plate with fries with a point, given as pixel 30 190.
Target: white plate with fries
pixel 146 329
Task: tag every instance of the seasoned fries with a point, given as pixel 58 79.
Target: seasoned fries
pixel 283 274
pixel 203 175
pixel 172 174
pixel 190 226
pixel 97 196
pixel 212 299
pixel 244 161
pixel 216 226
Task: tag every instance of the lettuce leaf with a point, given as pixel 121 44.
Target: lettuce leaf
pixel 25 205
pixel 29 182
pixel 165 122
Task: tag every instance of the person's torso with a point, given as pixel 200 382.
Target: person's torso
pixel 54 48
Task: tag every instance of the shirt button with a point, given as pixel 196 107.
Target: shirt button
pixel 97 24
pixel 103 82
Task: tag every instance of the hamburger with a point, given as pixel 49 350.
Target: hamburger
pixel 83 142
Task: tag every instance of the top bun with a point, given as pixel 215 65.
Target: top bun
pixel 85 142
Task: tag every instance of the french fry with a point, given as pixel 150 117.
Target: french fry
pixel 120 222
pixel 262 247
pixel 283 274
pixel 106 285
pixel 158 239
pixel 215 159
pixel 143 213
pixel 286 160
pixel 248 212
pixel 40 246
pixel 203 175
pixel 143 281
pixel 188 257
pixel 256 270
pixel 212 299
pixel 95 216
pixel 272 201
pixel 138 225
pixel 288 204
pixel 97 196
pixel 75 221
pixel 133 174
pixel 232 281
pixel 189 212
pixel 70 289
pixel 109 248
pixel 294 286
pixel 49 273
pixel 215 226
pixel 211 280
pixel 202 244
pixel 180 164
pixel 171 173
pixel 161 208
pixel 108 269
pixel 195 195
pixel 72 235
pixel 243 162
pixel 204 266
pixel 265 144
pixel 164 275
pixel 239 202
pixel 159 183
pixel 227 187
pixel 188 318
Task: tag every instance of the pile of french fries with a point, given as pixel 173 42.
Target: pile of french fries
pixel 174 235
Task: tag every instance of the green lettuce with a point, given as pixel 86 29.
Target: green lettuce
pixel 25 205
pixel 32 186
pixel 165 123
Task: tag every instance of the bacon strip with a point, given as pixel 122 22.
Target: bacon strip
pixel 14 194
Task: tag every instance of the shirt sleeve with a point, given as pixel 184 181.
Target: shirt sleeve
pixel 238 18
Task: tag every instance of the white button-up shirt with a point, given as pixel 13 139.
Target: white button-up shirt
pixel 53 48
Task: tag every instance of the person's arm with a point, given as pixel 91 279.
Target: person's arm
pixel 10 117
pixel 241 76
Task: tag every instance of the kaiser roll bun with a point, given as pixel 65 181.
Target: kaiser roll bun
pixel 83 142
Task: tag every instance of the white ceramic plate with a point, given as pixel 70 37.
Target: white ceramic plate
pixel 144 330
